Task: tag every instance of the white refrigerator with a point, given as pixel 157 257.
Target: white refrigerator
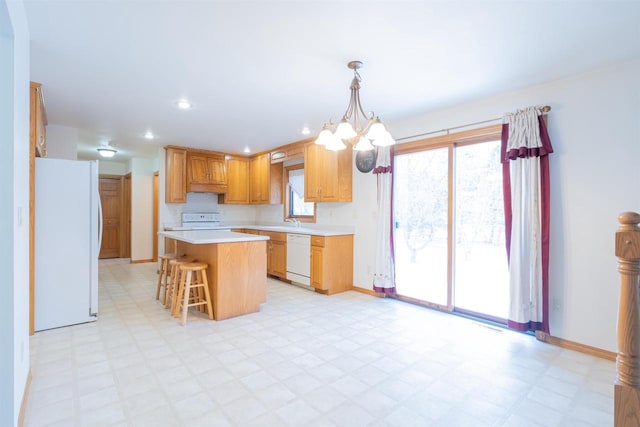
pixel 67 242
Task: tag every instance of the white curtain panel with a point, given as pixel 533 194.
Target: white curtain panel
pixel 296 181
pixel 525 269
pixel 384 273
pixel 526 275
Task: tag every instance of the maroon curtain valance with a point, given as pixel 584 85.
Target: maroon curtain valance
pixel 523 151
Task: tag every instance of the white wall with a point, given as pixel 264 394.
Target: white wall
pixel 106 167
pixel 142 208
pixel 62 142
pixel 594 127
pixel 14 209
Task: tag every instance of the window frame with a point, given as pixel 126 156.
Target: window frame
pixel 287 198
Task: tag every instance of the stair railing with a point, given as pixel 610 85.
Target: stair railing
pixel 627 385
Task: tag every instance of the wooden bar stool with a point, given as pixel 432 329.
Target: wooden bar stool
pixel 164 274
pixel 174 280
pixel 193 290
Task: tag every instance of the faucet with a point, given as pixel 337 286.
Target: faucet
pixel 293 221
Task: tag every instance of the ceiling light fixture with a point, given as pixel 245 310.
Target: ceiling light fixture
pixel 246 150
pixel 305 130
pixel 356 127
pixel 183 104
pixel 106 150
pixel 149 135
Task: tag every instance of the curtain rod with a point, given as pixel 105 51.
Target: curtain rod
pixel 544 109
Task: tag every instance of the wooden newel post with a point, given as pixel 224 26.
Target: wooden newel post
pixel 627 388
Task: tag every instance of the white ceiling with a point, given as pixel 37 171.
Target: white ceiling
pixel 258 71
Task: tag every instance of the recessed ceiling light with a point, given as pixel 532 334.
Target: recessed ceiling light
pixel 183 104
pixel 247 150
pixel 149 135
pixel 305 131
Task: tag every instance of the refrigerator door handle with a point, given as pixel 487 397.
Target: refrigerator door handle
pixel 100 224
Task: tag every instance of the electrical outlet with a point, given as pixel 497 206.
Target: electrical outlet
pixel 556 305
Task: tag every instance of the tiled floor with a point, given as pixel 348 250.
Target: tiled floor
pixel 304 360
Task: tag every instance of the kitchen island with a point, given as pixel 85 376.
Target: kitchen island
pixel 237 270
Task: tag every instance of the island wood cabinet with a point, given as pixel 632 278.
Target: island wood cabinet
pixel 236 273
pixel 175 175
pixel 327 174
pixel 276 250
pixel 332 263
pixel 237 181
pixel 265 180
pixel 206 172
pixel 170 245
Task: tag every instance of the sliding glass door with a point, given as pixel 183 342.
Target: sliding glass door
pixel 449 236
pixel 481 281
pixel 421 184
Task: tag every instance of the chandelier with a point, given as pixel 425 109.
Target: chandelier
pixel 364 132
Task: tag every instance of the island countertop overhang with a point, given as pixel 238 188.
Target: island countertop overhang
pixel 203 237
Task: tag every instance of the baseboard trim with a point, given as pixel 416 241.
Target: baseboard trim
pixel 576 346
pixel 368 292
pixel 140 261
pixel 540 336
pixel 23 405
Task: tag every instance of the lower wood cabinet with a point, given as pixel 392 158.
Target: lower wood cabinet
pixel 331 260
pixel 332 263
pixel 276 253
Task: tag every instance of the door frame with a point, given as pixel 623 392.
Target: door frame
pixel 156 203
pixel 449 141
pixel 125 206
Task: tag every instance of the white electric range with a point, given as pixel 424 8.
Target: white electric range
pixel 199 221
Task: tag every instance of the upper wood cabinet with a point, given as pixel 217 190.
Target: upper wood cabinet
pixel 38 120
pixel 206 172
pixel 259 174
pixel 175 175
pixel 237 180
pixel 265 180
pixel 288 152
pixel 327 174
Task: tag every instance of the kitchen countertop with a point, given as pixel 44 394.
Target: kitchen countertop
pixel 277 228
pixel 202 237
pixel 297 230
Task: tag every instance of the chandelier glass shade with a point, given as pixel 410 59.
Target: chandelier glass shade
pixel 364 132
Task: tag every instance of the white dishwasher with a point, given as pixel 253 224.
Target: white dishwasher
pixel 299 258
